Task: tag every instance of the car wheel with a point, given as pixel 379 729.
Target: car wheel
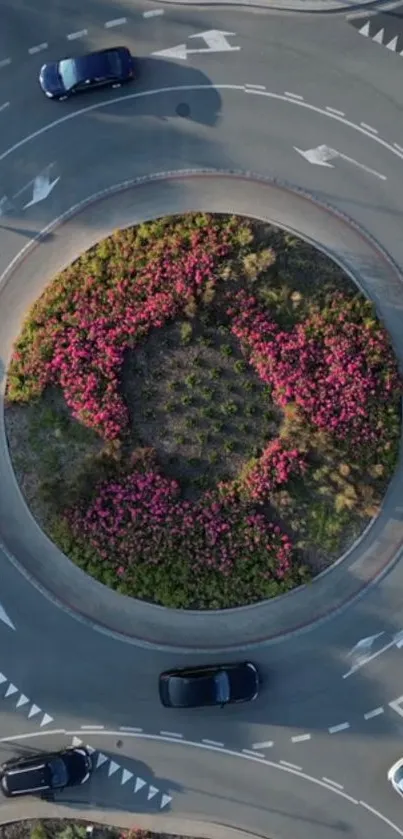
pixel 118 84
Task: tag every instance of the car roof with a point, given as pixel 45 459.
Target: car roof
pixel 188 691
pixel 29 776
pixel 95 64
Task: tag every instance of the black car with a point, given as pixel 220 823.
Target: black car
pixel 111 67
pixel 45 772
pixel 220 684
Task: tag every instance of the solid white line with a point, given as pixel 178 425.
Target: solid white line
pixel 38 48
pixel 170 734
pixel 213 743
pixel 118 21
pixel 369 127
pixel 74 35
pixel 293 95
pixel 374 713
pixel 255 754
pixel 266 745
pixel 399 148
pixel 5 62
pixel 92 727
pixel 256 86
pixel 335 111
pixel 380 816
pixel 329 781
pixel 300 737
pixel 291 765
pixel 153 13
pixel 130 728
pixel 335 728
pixel 3 107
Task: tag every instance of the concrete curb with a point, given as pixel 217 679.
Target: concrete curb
pixel 88 600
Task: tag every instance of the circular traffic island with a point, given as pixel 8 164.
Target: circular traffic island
pixel 203 411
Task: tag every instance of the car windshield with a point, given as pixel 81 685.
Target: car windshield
pixel 221 682
pixel 68 72
pixel 58 772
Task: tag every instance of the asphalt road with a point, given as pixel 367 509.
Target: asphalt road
pixel 311 755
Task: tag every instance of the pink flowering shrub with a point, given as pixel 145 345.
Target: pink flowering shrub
pixel 155 541
pixel 273 470
pixel 336 365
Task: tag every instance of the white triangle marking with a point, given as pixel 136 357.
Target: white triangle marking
pixel 364 29
pixel 22 700
pixel 90 749
pixel 34 710
pixel 151 792
pixel 2 678
pixel 378 38
pixel 392 45
pixel 139 784
pixel 46 719
pixel 126 775
pixel 76 742
pixel 101 759
pixel 10 690
pixel 166 799
pixel 4 617
pixel 113 767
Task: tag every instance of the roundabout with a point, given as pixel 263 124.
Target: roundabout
pixel 125 161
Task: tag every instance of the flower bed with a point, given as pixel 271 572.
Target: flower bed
pixel 64 829
pixel 220 406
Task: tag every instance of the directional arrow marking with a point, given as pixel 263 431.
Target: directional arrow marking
pixel 397 641
pixel 215 39
pixel 3 615
pixel 322 154
pixel 42 188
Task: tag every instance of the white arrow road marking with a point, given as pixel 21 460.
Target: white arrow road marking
pixel 11 689
pixel 397 641
pixel 215 39
pixel 139 784
pixel 396 705
pixel 166 799
pixel 34 710
pixel 113 767
pixel 100 760
pixel 22 700
pixel 126 775
pixel 3 615
pixel 151 792
pixel 46 719
pixel 76 742
pixel 42 188
pixel 321 154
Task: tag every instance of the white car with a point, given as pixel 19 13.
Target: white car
pixel 395 776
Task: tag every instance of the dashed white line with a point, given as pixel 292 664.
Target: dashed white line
pixel 293 95
pixel 213 743
pixel 5 62
pixel 335 728
pixel 171 734
pixel 333 783
pixel 38 48
pixel 92 727
pixel 3 107
pixel 300 737
pixel 256 86
pixel 399 148
pixel 153 13
pixel 130 728
pixel 291 765
pixel 118 21
pixel 74 35
pixel 335 111
pixel 369 127
pixel 375 713
pixel 266 745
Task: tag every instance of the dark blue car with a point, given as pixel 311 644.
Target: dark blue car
pixel 111 67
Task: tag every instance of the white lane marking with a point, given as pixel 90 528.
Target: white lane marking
pixel 396 705
pixel 380 816
pixel 335 728
pixel 329 781
pixel 255 754
pixel 213 743
pixel 266 745
pixel 153 13
pixel 92 727
pixel 300 737
pixel 46 719
pixel 22 700
pixel 174 88
pixel 335 111
pixel 399 148
pixel 130 728
pixel 294 95
pixel 256 86
pixel 38 48
pixel 74 35
pixel 375 713
pixel 139 784
pixel 126 775
pixel 291 765
pixel 118 21
pixel 171 734
pixel 34 710
pixel 112 768
pixel 101 759
pixel 391 643
pixel 4 106
pixel 76 742
pixel 166 799
pixel 5 62
pixel 151 792
pixel 10 690
pixel 369 127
